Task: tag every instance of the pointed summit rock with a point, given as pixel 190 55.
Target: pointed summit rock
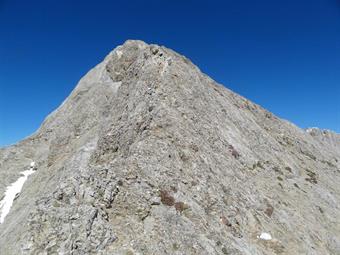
pixel 150 156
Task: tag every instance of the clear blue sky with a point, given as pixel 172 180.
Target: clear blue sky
pixel 283 55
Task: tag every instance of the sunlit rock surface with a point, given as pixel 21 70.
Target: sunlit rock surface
pixel 150 156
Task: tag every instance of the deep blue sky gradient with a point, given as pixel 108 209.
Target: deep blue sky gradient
pixel 283 55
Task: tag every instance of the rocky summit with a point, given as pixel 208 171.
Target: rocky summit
pixel 148 155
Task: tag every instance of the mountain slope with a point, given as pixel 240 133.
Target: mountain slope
pixel 326 137
pixel 150 156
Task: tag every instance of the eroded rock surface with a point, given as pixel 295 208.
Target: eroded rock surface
pixel 326 137
pixel 150 156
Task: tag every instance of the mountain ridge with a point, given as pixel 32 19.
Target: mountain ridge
pixel 146 140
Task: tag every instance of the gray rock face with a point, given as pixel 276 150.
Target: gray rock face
pixel 150 156
pixel 326 137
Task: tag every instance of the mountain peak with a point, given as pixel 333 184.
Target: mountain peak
pixel 150 156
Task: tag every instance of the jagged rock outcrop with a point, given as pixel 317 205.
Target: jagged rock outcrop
pixel 326 137
pixel 150 156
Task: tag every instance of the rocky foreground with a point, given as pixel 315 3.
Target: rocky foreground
pixel 150 156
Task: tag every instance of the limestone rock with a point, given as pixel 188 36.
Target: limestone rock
pixel 150 156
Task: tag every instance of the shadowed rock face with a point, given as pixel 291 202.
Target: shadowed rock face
pixel 150 156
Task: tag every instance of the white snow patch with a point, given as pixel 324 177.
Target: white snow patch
pixel 11 192
pixel 265 236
